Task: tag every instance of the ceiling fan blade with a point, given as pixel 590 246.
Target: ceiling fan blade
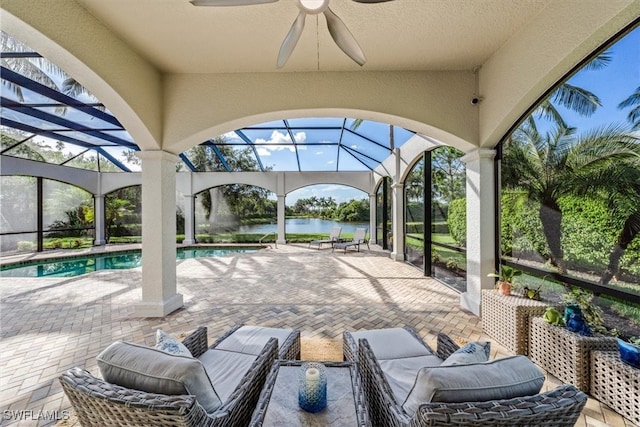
pixel 291 39
pixel 229 2
pixel 343 37
pixel 371 1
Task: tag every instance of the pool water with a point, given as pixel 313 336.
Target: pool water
pixel 76 266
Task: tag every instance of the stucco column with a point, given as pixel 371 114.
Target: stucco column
pixel 397 197
pixel 98 220
pixel 481 232
pixel 189 219
pixel 372 218
pixel 282 215
pixel 159 296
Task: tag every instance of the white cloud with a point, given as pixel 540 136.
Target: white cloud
pixel 279 141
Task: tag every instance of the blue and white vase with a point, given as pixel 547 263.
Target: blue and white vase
pixel 312 387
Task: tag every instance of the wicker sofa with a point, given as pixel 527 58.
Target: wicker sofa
pixel 387 406
pixel 100 403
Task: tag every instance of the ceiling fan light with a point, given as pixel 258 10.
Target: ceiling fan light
pixel 312 7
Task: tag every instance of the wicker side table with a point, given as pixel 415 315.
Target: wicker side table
pixel 616 384
pixel 565 354
pixel 506 319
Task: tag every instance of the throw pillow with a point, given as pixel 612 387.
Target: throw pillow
pixel 473 352
pixel 506 378
pixel 169 344
pixel 148 369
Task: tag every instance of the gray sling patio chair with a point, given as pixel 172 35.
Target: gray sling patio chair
pixel 359 237
pixel 218 385
pixel 334 237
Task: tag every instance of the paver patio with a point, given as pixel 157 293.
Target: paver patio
pixel 51 324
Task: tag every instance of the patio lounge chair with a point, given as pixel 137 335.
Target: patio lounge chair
pixel 180 390
pixel 334 237
pixel 359 237
pixel 404 385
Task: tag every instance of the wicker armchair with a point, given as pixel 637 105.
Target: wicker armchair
pixel 99 403
pixel 559 407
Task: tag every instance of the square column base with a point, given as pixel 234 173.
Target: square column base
pixel 470 303
pixel 159 309
pixel 396 256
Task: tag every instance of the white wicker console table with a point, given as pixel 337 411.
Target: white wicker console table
pixel 506 319
pixel 616 384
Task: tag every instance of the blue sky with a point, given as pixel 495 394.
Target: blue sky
pixel 611 84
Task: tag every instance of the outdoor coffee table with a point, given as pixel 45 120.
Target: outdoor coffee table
pixel 278 402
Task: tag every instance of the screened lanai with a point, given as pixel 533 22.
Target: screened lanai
pixel 211 79
pixel 429 124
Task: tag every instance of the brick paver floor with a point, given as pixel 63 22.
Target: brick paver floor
pixel 51 324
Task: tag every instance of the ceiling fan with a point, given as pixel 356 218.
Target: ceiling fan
pixel 338 30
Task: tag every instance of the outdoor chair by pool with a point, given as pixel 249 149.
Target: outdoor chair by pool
pixel 334 237
pixel 213 386
pixel 407 384
pixel 359 237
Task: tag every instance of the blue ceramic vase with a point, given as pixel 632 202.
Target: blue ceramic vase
pixel 629 353
pixel 574 321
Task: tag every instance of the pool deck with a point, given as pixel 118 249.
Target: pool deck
pixel 51 324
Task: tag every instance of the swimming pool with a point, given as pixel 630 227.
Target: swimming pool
pixel 75 266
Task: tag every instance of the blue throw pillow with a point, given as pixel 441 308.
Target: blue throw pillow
pixel 473 352
pixel 169 344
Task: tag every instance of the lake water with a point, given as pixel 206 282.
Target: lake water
pixel 304 225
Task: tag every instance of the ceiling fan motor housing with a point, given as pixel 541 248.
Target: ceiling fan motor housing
pixel 312 7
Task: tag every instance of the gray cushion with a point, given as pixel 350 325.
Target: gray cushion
pixel 226 369
pixel 504 378
pixel 392 343
pixel 473 352
pixel 155 371
pixel 401 373
pixel 252 339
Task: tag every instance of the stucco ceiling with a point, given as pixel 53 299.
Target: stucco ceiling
pixel 178 37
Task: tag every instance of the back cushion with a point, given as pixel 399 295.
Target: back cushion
pixel 505 378
pixel 154 371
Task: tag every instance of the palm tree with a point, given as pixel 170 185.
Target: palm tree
pixel 574 98
pixel 40 70
pixel 620 183
pixel 633 102
pixel 552 165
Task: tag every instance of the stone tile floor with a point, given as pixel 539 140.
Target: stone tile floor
pixel 51 324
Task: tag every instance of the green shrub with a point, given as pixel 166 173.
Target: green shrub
pixel 457 221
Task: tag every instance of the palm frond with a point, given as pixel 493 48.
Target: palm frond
pixel 631 100
pixel 600 61
pixel 549 112
pixel 576 99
